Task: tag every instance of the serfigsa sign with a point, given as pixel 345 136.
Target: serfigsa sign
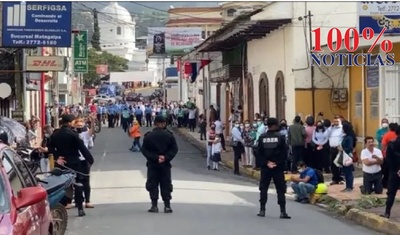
pixel 37 24
pixel 376 19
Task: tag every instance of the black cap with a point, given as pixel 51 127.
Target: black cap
pixel 272 121
pixel 67 118
pixel 159 119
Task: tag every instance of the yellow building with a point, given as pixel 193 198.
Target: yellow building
pixel 373 93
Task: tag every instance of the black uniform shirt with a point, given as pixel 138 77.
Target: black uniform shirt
pixel 271 147
pixel 393 155
pixel 159 142
pixel 66 143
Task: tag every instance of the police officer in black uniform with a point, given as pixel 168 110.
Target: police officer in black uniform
pixel 65 145
pixel 272 151
pixel 393 163
pixel 159 147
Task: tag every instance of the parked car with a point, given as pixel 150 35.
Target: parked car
pixel 24 208
pixel 131 96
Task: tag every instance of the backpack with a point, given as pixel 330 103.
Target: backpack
pixel 320 176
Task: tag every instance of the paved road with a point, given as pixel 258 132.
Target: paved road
pixel 204 202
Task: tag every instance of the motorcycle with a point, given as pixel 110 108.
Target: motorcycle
pixel 57 182
pixel 30 156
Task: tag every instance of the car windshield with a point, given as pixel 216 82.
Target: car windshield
pixel 103 90
pixel 4 203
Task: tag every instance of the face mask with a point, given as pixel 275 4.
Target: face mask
pixel 247 125
pixel 254 125
pixel 237 125
pixel 241 126
pixel 385 125
pixel 300 170
pixel 47 135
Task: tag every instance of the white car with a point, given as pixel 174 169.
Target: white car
pixel 103 98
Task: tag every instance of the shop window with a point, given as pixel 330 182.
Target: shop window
pixel 374 104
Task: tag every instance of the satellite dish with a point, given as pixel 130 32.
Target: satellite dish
pixel 5 90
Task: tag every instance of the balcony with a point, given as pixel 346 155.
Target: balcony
pixel 227 73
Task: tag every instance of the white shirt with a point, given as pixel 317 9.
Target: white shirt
pixel 366 154
pixel 335 135
pixel 87 140
pixel 192 114
pixel 219 128
pixel 216 147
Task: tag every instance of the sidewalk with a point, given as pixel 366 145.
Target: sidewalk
pixel 353 205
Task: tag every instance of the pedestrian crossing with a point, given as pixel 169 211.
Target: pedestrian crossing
pixel 114 187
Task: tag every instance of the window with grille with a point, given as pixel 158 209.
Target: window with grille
pixel 358 104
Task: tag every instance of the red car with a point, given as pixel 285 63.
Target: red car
pixel 24 209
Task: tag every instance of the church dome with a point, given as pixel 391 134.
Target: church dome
pixel 117 12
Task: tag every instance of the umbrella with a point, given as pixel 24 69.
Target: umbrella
pixel 15 130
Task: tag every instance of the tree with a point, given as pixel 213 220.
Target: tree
pixel 96 31
pixel 115 64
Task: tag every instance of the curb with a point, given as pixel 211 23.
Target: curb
pixel 373 221
pixel 366 219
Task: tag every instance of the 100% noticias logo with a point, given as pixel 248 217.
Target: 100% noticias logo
pixel 351 44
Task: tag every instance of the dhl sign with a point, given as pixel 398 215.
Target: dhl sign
pixel 45 63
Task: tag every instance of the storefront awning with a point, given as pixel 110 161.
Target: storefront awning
pixel 245 31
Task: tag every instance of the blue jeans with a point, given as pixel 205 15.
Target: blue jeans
pixel 303 190
pixel 348 176
pixel 209 151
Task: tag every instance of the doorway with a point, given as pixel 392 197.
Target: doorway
pixel 263 91
pixel 280 98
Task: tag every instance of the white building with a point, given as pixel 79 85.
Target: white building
pixel 117 35
pixel 273 73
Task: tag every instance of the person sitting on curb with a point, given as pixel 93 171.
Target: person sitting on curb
pixel 304 184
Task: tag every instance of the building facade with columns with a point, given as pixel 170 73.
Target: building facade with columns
pixel 265 61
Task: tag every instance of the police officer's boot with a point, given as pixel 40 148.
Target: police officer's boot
pixel 284 215
pixel 262 210
pixel 167 207
pixel 154 207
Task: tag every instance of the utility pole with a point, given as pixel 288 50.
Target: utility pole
pixel 181 69
pixel 163 79
pixel 55 95
pixel 311 67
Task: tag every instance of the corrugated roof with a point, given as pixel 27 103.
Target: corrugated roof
pixel 195 20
